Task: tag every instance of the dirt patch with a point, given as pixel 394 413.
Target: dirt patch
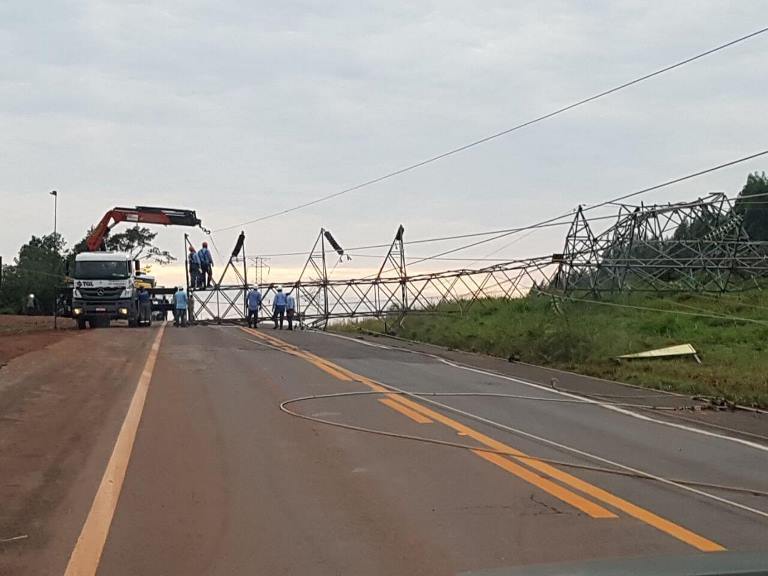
pixel 60 410
pixel 22 334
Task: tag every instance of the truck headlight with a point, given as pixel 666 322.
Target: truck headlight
pixel 77 311
pixel 123 311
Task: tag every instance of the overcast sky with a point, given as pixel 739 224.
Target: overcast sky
pixel 239 109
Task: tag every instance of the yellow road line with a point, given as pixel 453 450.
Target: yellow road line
pixel 85 557
pixel 402 404
pixel 604 496
pixel 675 530
pixel 645 516
pixel 405 411
pixel 325 367
pixel 320 363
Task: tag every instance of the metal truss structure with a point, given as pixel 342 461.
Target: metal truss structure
pixel 391 293
pixel 693 246
pixel 697 246
pixel 392 297
pixel 224 301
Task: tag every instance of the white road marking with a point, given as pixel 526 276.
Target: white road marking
pixel 623 411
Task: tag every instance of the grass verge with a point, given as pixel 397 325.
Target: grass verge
pixel 585 337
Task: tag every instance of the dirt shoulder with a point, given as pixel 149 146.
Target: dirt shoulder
pixel 20 335
pixel 61 407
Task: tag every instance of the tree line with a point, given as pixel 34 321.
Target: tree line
pixel 42 265
pixel 751 205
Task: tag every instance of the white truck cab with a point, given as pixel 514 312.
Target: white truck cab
pixel 104 289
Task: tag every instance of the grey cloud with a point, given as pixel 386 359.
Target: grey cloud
pixel 241 108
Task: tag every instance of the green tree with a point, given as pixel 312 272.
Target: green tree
pixel 137 241
pixel 752 204
pixel 38 270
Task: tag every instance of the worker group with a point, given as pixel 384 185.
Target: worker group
pixel 201 276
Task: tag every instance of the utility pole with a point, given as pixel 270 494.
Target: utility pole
pixel 259 263
pixel 55 195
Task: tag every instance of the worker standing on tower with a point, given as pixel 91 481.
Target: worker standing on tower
pixel 206 265
pixel 194 268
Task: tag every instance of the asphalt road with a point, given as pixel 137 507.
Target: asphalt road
pixel 206 475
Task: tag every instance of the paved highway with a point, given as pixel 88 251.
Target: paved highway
pixel 169 454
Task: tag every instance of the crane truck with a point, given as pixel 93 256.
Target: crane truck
pixel 105 284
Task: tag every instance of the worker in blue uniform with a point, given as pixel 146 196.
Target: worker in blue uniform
pixel 278 307
pixel 206 265
pixel 254 303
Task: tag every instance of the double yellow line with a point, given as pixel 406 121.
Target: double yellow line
pixel 540 474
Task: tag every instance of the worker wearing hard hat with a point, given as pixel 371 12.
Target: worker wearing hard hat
pixel 206 265
pixel 180 307
pixel 194 268
pixel 278 307
pixel 254 303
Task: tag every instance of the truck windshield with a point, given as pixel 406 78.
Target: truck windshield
pixel 102 270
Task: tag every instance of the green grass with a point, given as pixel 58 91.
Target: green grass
pixel 585 337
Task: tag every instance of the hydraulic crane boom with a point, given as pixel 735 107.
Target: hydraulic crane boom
pixel 139 214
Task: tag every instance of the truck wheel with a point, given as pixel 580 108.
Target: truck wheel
pixel 81 323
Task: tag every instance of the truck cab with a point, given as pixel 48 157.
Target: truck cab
pixel 104 289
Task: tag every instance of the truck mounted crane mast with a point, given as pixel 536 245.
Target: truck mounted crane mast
pixel 139 215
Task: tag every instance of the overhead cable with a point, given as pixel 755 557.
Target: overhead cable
pixel 485 139
pixel 652 309
pixel 550 221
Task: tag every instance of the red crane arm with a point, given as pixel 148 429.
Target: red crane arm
pixel 140 214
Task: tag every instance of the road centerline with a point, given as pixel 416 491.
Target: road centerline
pixel 405 411
pixel 676 531
pixel 564 494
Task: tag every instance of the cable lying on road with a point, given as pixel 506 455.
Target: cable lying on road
pixel 597 397
pixel 674 411
pixel 689 486
pixel 480 448
pixel 583 453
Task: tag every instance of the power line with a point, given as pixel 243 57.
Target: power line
pixel 681 179
pixel 381 256
pixel 442 238
pixel 422 240
pixel 497 134
pixel 550 221
pixel 553 222
pixel 16 267
pixel 652 309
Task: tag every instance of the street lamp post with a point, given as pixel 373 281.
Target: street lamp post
pixel 55 195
